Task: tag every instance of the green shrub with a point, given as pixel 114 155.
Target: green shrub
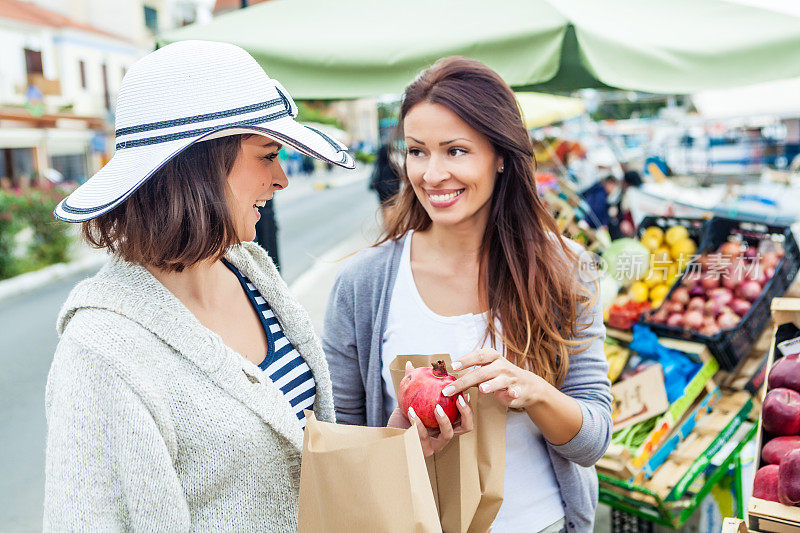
pixel 365 157
pixel 10 224
pixel 310 113
pixel 51 239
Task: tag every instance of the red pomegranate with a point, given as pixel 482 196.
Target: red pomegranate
pixel 421 389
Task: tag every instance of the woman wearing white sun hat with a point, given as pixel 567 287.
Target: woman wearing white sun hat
pixel 163 411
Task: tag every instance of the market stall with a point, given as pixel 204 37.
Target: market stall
pixel 692 328
pixel 364 48
pixel 669 456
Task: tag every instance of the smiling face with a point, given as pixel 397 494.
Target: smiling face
pixel 451 166
pixel 255 176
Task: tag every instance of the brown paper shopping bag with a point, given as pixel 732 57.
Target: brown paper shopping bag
pixel 356 478
pixel 467 476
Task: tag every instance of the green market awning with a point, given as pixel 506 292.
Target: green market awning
pixel 356 48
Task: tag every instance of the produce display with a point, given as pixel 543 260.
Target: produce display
pixel 671 251
pixel 708 283
pixel 617 356
pixel 624 313
pixel 627 260
pixel 719 288
pixel 648 268
pixel 421 389
pixel 569 210
pixel 778 479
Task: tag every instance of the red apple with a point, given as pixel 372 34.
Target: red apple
pixel 789 479
pixel 786 373
pixel 765 484
pixel 777 448
pixel 781 412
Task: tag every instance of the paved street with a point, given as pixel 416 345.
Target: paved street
pixel 311 222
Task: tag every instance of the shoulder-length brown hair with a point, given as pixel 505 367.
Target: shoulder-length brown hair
pixel 179 216
pixel 527 274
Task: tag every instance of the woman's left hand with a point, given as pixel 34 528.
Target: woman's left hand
pixel 433 440
pixel 513 386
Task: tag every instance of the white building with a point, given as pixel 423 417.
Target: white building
pixel 74 53
pixel 135 20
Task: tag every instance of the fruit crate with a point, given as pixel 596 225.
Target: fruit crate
pixel 622 522
pixel 571 213
pixel 690 473
pixel 729 347
pixel 765 515
pixel 624 463
pixel 694 226
pixel 670 422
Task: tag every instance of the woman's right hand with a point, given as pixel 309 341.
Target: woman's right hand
pixel 433 440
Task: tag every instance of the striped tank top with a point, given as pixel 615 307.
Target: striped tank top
pixel 283 364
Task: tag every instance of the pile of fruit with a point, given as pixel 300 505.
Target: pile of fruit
pixel 624 312
pixel 719 288
pixel 617 357
pixel 779 479
pixel 650 274
pixel 670 252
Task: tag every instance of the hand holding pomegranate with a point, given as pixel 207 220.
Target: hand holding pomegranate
pixel 557 415
pixel 437 418
pixel 513 386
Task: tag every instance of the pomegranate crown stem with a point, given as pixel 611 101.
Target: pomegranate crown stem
pixel 439 369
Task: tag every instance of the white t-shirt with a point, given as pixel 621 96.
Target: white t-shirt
pixel 531 496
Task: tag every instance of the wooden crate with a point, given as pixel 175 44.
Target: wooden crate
pixel 666 478
pixel 567 208
pixel 765 515
pixel 734 525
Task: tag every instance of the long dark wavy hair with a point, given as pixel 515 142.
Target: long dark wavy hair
pixel 527 274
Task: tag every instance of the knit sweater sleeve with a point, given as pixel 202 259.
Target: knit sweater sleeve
pixel 587 382
pixel 108 466
pixel 340 344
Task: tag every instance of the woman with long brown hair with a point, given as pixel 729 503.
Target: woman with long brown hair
pixel 471 264
pixel 176 399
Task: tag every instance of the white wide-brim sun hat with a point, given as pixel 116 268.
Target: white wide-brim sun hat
pixel 184 93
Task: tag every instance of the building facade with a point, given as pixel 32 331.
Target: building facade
pixel 62 66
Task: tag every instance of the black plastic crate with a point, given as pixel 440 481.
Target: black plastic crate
pixel 622 522
pixel 729 347
pixel 694 226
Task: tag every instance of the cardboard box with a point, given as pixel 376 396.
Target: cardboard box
pixel 671 420
pixel 638 398
pixel 765 515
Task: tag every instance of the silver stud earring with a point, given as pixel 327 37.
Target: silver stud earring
pixel 501 169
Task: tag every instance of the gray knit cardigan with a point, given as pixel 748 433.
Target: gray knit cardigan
pixel 355 322
pixel 154 424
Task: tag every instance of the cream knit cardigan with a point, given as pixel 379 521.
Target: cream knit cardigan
pixel 154 424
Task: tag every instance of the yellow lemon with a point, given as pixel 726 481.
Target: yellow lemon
pixel 638 292
pixel 656 232
pixel 675 234
pixel 655 277
pixel 658 293
pixel 673 274
pixel 662 257
pixel 650 242
pixel 683 250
